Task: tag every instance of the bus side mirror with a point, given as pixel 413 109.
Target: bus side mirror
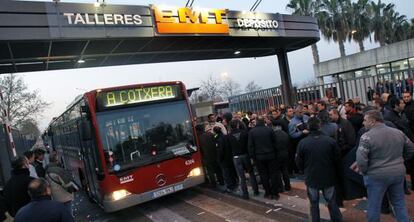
pixel 86 130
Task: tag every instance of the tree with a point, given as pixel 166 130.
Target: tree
pixel 212 89
pixel 20 103
pixel 333 22
pixel 306 8
pixel 394 25
pixel 230 88
pixel 310 83
pixel 252 87
pixel 378 28
pixel 29 128
pixel 360 22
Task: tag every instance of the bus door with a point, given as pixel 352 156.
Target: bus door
pixel 90 160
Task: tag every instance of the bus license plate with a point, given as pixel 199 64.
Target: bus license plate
pixel 167 190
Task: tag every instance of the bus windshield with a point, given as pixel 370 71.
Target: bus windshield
pixel 142 135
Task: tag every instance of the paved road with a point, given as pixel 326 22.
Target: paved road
pixel 202 204
pixel 197 204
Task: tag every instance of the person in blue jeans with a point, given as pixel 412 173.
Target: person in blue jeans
pixel 237 142
pixel 318 155
pixel 380 159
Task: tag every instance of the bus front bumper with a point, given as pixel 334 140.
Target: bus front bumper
pixel 134 199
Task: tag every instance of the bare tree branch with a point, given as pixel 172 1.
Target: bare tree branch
pixel 230 88
pixel 212 89
pixel 251 87
pixel 21 103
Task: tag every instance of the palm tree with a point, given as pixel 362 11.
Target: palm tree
pixel 334 23
pixel 360 23
pixel 410 30
pixel 394 25
pixel 382 21
pixel 306 8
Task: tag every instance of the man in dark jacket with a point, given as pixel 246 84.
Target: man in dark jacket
pixel 318 156
pixel 225 159
pixel 409 113
pixel 262 149
pixel 277 116
pixel 283 145
pixel 237 141
pixel 353 116
pixel 409 108
pixel 15 191
pixel 322 110
pixel 399 119
pixel 42 208
pixel 209 157
pixel 346 132
pixel 346 141
pixel 38 163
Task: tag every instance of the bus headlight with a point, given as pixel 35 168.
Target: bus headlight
pixel 119 194
pixel 195 172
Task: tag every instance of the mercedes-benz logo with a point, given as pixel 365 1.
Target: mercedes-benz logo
pixel 161 179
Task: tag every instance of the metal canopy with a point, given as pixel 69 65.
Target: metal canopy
pixel 35 36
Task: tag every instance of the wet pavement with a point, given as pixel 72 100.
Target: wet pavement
pixel 204 204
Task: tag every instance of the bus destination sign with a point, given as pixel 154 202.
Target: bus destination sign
pixel 108 99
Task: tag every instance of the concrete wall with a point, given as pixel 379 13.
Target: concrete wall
pixel 389 53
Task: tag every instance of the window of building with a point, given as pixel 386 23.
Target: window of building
pixel 383 68
pixel 359 73
pixel 411 61
pixel 370 71
pixel 347 75
pixel 399 65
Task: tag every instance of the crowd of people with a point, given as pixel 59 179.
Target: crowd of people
pixel 40 189
pixel 346 150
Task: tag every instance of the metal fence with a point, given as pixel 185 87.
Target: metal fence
pixel 260 101
pixel 22 144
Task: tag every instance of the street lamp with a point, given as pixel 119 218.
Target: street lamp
pixel 99 3
pixel 224 76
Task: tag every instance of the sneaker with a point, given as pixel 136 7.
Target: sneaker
pixel 256 193
pixel 276 197
pixel 267 196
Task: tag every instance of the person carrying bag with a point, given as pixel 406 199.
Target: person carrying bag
pixel 61 184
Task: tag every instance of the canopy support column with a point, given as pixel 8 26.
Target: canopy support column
pixel 288 95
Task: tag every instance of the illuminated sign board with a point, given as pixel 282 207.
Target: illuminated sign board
pixel 257 23
pixel 102 19
pixel 190 21
pixel 108 99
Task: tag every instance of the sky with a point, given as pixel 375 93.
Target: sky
pixel 59 88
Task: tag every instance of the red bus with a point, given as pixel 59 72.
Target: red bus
pixel 130 144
